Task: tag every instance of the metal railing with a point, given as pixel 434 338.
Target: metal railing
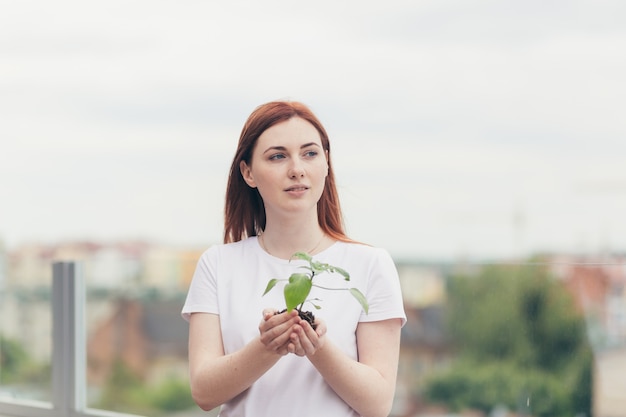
pixel 68 353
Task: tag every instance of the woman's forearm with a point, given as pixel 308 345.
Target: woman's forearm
pixel 216 380
pixel 217 377
pixel 361 386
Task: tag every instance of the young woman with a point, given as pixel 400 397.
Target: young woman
pixel 281 198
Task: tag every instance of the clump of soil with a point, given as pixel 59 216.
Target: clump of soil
pixel 305 315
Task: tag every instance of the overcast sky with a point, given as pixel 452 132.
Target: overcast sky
pixel 475 129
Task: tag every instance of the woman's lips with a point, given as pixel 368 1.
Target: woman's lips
pixel 297 188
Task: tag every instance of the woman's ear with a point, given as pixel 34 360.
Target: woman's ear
pixel 246 173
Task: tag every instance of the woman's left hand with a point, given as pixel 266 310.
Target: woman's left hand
pixel 304 341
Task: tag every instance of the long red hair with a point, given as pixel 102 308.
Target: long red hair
pixel 244 212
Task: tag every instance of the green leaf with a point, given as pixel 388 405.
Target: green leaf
pixel 360 298
pixel 343 272
pixel 297 290
pixel 272 282
pixel 310 301
pixel 302 255
pixel 319 267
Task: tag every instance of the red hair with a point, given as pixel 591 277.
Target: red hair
pixel 244 212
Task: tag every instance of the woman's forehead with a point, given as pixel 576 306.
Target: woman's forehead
pixel 294 131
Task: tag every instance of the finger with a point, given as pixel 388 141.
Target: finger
pixel 307 342
pixel 295 345
pixel 313 340
pixel 274 343
pixel 270 319
pixel 268 312
pixel 275 332
pixel 292 345
pixel 284 350
pixel 288 347
pixel 321 327
pixel 276 336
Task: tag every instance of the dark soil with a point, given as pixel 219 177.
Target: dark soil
pixel 305 315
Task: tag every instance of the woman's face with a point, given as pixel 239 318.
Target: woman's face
pixel 289 167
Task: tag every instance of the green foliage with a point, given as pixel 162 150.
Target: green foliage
pixel 299 284
pixel 482 386
pixel 518 335
pixel 126 392
pixel 18 367
pixel 13 359
pixel 171 395
pixel 122 391
pixel 297 290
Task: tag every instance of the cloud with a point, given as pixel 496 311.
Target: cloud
pixel 447 118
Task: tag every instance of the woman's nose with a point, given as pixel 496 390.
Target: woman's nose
pixel 296 170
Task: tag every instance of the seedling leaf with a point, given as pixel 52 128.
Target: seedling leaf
pixel 297 290
pixel 343 272
pixel 360 298
pixel 270 285
pixel 302 255
pixel 319 267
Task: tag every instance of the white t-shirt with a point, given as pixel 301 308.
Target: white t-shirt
pixel 229 281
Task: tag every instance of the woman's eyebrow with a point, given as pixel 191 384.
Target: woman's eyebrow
pixel 306 145
pixel 282 148
pixel 275 148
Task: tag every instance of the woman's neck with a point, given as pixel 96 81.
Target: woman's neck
pixel 283 239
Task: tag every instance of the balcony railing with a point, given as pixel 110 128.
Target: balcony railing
pixel 68 353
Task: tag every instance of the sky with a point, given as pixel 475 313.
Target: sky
pixel 482 129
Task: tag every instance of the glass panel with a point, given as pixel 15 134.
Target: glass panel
pixel 136 339
pixel 25 324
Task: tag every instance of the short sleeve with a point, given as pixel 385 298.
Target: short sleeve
pixel 202 294
pixel 384 293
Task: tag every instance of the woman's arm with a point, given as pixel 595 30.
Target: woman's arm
pixel 367 385
pixel 216 377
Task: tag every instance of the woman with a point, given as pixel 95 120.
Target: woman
pixel 281 198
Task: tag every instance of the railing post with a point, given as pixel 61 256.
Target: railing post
pixel 68 343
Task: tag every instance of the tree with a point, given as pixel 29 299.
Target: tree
pixel 13 358
pixel 125 391
pixel 520 343
pixel 122 391
pixel 18 367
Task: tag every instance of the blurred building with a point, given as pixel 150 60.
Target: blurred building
pixel 598 286
pixel 147 335
pixel 424 347
pixel 131 268
pixel 135 291
pixel 609 396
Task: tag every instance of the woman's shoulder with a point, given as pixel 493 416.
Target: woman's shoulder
pixel 363 253
pixel 354 247
pixel 232 249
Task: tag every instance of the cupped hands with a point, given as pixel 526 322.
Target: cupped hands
pixel 286 332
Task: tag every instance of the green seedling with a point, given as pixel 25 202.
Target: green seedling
pixel 299 284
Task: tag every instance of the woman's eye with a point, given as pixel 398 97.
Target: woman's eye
pixel 276 156
pixel 310 154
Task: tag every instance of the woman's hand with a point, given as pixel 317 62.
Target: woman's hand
pixel 304 340
pixel 276 329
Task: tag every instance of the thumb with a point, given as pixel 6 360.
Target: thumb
pixel 268 312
